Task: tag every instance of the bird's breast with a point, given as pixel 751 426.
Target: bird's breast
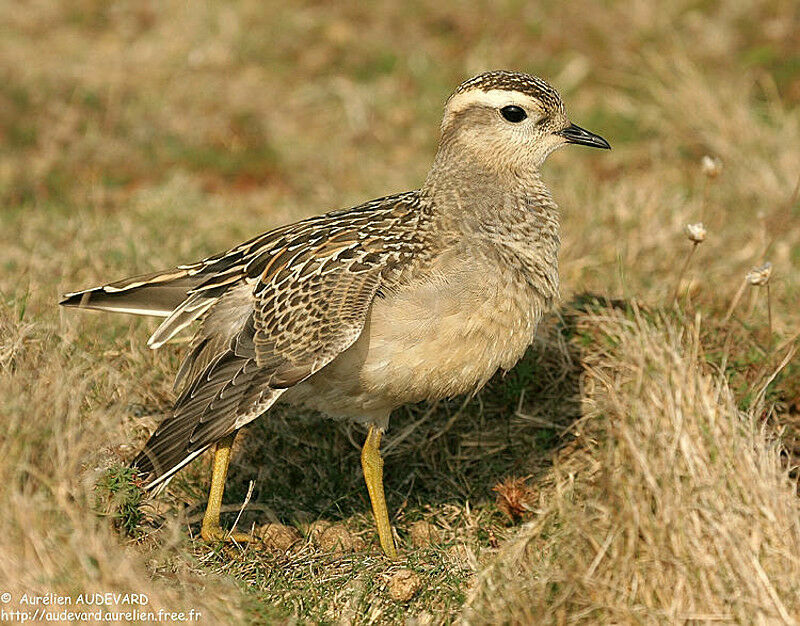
pixel 448 340
pixel 434 336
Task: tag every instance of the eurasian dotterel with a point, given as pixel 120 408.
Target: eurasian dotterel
pixel 419 295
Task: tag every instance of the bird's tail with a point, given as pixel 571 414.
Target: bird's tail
pixel 155 294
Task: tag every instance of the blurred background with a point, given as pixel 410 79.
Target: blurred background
pixel 139 135
pixel 231 118
pixel 183 127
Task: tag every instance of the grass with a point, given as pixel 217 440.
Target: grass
pixel 119 497
pixel 133 138
pixel 675 506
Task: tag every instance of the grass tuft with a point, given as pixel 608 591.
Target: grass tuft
pixel 118 496
pixel 674 505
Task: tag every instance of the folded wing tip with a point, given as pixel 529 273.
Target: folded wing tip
pixel 72 298
pixel 154 345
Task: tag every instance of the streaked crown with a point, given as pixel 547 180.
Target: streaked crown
pixel 506 80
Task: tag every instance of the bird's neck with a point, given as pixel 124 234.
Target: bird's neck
pixel 459 181
pixel 509 215
pixel 488 203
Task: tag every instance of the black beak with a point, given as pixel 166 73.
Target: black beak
pixel 576 134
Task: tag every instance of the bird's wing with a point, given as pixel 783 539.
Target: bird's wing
pixel 312 300
pixel 156 294
pixel 297 298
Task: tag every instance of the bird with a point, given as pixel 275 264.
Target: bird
pixel 420 295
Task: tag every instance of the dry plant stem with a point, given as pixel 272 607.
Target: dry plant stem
pixel 768 379
pixel 244 505
pixel 769 319
pixel 683 271
pixel 735 301
pixel 726 350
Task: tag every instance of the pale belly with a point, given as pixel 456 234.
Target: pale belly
pixel 438 338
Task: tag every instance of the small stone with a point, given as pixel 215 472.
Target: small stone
pixel 404 585
pixel 424 534
pixel 336 538
pixel 278 537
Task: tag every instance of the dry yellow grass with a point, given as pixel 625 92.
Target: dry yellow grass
pixel 672 504
pixel 136 136
pixel 53 542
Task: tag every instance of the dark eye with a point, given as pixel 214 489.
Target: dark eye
pixel 513 113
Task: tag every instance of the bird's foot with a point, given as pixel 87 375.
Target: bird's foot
pixel 214 534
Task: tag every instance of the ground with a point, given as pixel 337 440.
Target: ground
pixel 642 452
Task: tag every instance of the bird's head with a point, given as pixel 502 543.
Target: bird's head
pixel 509 121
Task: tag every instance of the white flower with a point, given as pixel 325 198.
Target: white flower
pixel 711 166
pixel 696 232
pixel 760 275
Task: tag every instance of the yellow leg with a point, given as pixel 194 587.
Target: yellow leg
pixel 372 464
pixel 211 530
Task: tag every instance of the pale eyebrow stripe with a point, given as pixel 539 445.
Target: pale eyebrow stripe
pixel 493 98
